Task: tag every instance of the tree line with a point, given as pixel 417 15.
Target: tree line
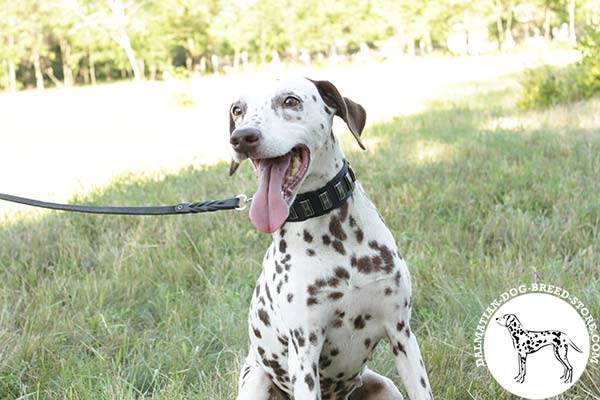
pixel 76 42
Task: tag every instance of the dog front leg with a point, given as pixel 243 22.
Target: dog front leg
pixel 522 368
pixel 516 378
pixel 408 361
pixel 255 384
pixel 303 365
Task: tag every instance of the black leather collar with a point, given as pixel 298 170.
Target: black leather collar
pixel 324 200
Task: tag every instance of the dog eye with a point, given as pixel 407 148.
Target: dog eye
pixel 236 111
pixel 291 102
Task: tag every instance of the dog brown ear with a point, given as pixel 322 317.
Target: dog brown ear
pixel 234 165
pixel 353 114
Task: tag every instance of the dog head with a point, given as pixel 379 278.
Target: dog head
pixel 508 320
pixel 282 127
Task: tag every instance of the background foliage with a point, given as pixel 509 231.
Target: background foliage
pixel 550 85
pixel 66 42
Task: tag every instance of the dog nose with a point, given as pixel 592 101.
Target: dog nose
pixel 245 140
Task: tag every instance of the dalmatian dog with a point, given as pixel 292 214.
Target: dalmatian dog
pixel 332 286
pixel 528 342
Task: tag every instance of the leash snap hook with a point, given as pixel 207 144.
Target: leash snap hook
pixel 244 200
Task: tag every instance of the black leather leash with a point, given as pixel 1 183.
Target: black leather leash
pixel 306 205
pixel 236 203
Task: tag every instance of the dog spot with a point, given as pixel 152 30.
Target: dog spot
pixel 399 348
pixel 246 372
pixel 307 236
pixel 324 362
pixel 322 126
pixel 327 110
pixel 257 333
pixel 359 322
pixel 339 247
pixel 282 246
pixel 264 317
pixel 283 340
pixel 299 335
pixel 312 338
pixel 362 264
pixel 335 228
pixel 387 291
pixel 343 214
pixel 311 301
pixel 423 383
pixel 336 295
pixel 342 273
pixel 400 326
pixel 314 98
pixel 352 222
pixel 333 282
pixel 367 343
pixel 310 382
pixel 359 235
pixel 310 252
pixel 268 292
pixel 290 297
pixel 385 256
pixel 326 240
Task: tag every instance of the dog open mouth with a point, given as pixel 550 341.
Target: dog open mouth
pixel 278 181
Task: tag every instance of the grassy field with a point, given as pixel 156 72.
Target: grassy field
pixel 480 197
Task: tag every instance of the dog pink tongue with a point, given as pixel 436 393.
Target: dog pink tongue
pixel 269 209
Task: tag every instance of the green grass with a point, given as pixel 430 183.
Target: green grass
pixel 123 307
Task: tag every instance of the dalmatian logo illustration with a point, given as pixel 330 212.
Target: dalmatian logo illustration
pixel 527 342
